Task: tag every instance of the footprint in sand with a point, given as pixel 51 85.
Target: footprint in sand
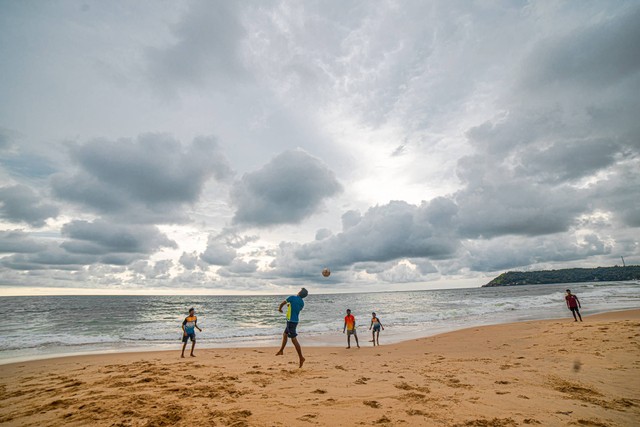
pixel 362 380
pixel 308 417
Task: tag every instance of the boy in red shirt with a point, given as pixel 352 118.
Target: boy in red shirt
pixel 573 304
pixel 350 327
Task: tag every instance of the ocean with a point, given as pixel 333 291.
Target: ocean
pixel 36 327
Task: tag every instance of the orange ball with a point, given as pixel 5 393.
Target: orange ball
pixel 326 272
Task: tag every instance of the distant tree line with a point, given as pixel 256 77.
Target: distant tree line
pixel 568 275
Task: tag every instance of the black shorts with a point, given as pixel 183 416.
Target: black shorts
pixel 290 330
pixel 574 309
pixel 192 335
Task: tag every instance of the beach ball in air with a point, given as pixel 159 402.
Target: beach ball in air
pixel 326 272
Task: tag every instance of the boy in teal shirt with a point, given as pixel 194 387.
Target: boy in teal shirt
pixel 294 304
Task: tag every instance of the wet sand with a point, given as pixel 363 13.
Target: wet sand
pixel 549 373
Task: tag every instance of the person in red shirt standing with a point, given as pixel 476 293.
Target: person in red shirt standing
pixel 573 304
pixel 350 327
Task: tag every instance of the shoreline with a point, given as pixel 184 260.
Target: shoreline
pixel 544 372
pixel 313 341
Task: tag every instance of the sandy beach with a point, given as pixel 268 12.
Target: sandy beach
pixel 550 373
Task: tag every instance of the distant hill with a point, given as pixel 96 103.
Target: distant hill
pixel 568 275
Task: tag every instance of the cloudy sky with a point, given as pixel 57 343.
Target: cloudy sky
pixel 240 147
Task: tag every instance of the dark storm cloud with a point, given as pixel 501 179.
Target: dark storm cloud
pixel 516 207
pixel 207 45
pixel 20 203
pixel 53 257
pixel 17 241
pixel 385 233
pixel 580 87
pixel 102 237
pixel 218 252
pixel 553 132
pixel 288 189
pixel 151 176
pixel 596 55
pixel 568 160
pixel 520 127
pixel 86 243
pixel 513 251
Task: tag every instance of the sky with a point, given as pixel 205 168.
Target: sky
pixel 240 147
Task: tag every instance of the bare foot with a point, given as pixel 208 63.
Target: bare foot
pixel 182 356
pixel 280 353
pixel 192 355
pixel 348 347
pixel 302 359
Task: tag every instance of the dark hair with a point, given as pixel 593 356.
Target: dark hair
pixel 568 290
pixel 192 309
pixel 348 309
pixel 303 293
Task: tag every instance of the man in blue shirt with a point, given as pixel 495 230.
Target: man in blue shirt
pixel 294 305
pixel 189 326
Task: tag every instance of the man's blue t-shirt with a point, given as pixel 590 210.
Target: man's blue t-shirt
pixel 295 305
